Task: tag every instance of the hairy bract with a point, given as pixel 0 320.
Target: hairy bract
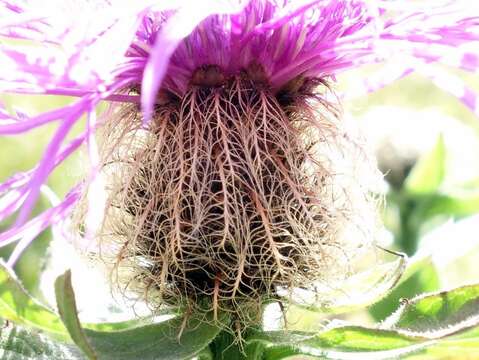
pixel 231 194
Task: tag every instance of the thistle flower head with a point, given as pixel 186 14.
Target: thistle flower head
pixel 222 145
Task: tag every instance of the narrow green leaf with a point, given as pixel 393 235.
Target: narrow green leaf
pixel 18 306
pixel 349 342
pixel 154 341
pixel 356 338
pixel 18 343
pixel 67 308
pixel 428 174
pixel 439 314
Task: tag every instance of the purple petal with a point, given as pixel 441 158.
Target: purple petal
pixel 13 191
pixel 36 225
pixel 179 26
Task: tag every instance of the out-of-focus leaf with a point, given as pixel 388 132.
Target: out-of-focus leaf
pixel 428 174
pixel 33 260
pixel 453 204
pixel 17 343
pixel 420 276
pixel 356 292
pixel 144 342
pixel 18 306
pixel 440 314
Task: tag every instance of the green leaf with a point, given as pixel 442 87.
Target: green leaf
pixel 424 327
pixel 148 342
pixel 18 306
pixel 339 342
pixel 356 342
pixel 144 342
pixel 18 343
pixel 67 309
pixel 428 174
pixel 440 314
pixel 420 276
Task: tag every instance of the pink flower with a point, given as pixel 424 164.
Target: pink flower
pixel 97 50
